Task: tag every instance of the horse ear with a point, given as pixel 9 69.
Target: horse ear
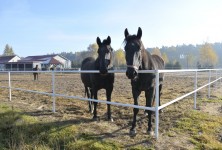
pixel 109 40
pixel 126 33
pixel 98 41
pixel 139 33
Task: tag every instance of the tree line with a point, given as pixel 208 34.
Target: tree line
pixel 206 55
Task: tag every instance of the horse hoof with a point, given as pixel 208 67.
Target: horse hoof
pixel 95 118
pixel 111 119
pixel 145 113
pixel 151 133
pixel 132 132
pixel 91 111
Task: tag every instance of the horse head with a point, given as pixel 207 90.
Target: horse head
pixel 133 53
pixel 105 54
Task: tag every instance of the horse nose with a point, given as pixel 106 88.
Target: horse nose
pixel 131 73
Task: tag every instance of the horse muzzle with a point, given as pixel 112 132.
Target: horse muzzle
pixel 131 72
pixel 103 71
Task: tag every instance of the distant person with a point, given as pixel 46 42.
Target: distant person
pixel 35 73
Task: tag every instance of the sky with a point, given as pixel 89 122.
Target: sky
pixel 39 27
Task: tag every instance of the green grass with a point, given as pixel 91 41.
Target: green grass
pixel 20 131
pixel 218 100
pixel 202 128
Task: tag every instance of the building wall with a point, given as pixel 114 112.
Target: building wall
pixel 66 63
pixel 14 59
pixel 37 63
pixel 2 67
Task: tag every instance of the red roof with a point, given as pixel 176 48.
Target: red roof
pixel 54 61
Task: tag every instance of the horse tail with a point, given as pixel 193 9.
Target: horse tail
pixel 87 92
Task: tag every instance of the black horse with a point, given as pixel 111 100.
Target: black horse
pixel 138 58
pixel 103 80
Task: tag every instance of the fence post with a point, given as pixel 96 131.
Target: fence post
pixel 195 94
pixel 157 104
pixel 9 85
pixel 216 81
pixel 220 76
pixel 209 83
pixel 53 93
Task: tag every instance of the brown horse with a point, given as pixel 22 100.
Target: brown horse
pixel 138 58
pixel 103 80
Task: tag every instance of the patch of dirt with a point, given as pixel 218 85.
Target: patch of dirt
pixel 212 108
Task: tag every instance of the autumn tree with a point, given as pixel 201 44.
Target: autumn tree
pixel 92 49
pixel 8 51
pixel 156 51
pixel 208 57
pixel 119 58
pixel 165 58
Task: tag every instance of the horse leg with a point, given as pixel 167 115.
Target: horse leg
pixel 88 96
pixel 91 96
pixel 95 118
pixel 108 96
pixel 160 88
pixel 149 98
pixel 136 94
pixel 147 102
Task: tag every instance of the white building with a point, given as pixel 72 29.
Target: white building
pixel 7 59
pixel 44 62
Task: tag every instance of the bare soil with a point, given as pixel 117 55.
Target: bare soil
pixel 76 111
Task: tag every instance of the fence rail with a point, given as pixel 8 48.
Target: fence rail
pixel 156 109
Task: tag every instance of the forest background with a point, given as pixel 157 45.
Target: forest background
pixel 201 56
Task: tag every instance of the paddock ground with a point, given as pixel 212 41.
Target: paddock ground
pixel 76 111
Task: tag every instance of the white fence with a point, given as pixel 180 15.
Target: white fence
pixel 157 72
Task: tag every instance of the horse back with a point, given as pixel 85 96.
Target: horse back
pixel 159 64
pixel 158 61
pixel 87 63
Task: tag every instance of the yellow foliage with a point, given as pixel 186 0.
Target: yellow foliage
pixel 165 58
pixel 208 56
pixel 119 57
pixel 156 51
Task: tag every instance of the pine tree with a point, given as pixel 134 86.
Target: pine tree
pixel 8 51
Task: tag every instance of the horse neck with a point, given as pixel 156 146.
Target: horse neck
pixel 97 65
pixel 147 61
